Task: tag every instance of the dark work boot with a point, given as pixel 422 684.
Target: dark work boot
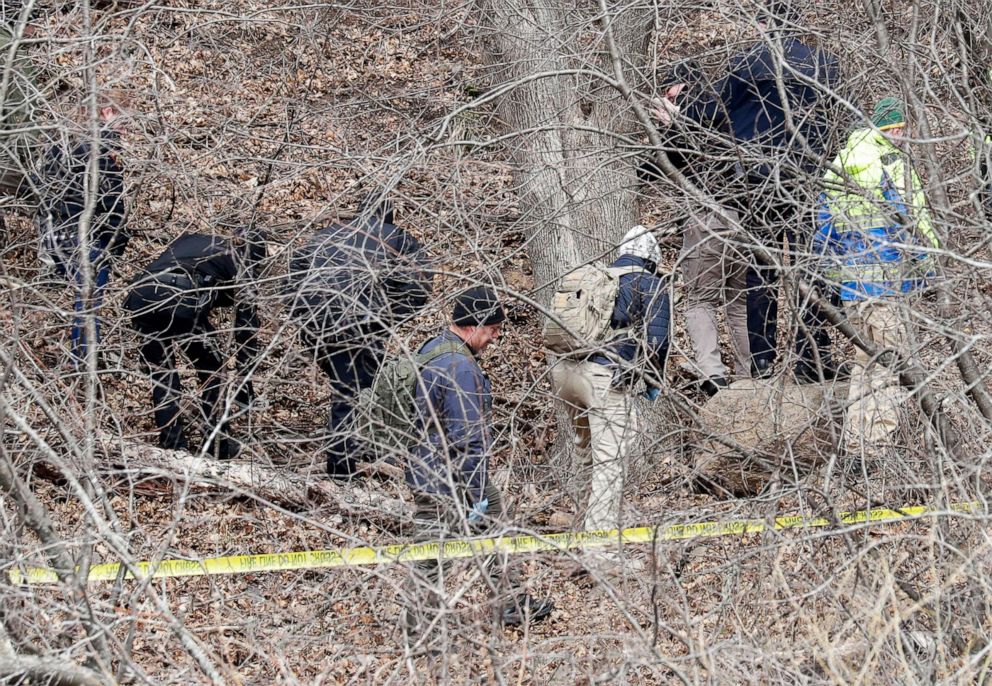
pixel 228 448
pixel 342 467
pixel 525 609
pixel 762 369
pixel 223 448
pixel 173 438
pixel 713 385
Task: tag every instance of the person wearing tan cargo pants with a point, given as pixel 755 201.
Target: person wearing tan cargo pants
pixel 715 273
pixel 598 389
pixel 605 429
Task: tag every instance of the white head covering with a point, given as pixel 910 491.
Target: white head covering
pixel 640 242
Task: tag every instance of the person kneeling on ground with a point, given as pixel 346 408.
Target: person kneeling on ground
pixel 876 237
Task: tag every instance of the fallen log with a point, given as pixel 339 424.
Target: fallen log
pixel 143 465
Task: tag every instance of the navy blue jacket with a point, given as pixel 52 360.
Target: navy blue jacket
pixel 454 407
pixel 62 192
pixel 642 306
pixel 749 108
pixel 355 277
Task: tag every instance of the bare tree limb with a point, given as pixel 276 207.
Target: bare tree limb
pixel 49 671
pixel 267 485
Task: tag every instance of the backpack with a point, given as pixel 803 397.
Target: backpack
pixel 385 412
pixel 583 303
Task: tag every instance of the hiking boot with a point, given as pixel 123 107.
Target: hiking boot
pixel 223 448
pixel 525 609
pixel 343 469
pixel 713 385
pixel 809 373
pixel 173 438
pixel 762 369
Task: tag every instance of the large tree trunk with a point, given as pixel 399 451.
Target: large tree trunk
pixel 576 190
pixel 566 124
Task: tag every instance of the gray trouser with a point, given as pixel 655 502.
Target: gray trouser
pixel 437 519
pixel 715 274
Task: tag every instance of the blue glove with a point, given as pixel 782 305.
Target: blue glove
pixel 652 393
pixel 478 511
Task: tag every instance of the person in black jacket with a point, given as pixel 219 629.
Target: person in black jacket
pixel 63 184
pixel 780 148
pixel 348 287
pixel 170 303
pixel 713 262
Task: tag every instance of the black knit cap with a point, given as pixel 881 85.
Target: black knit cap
pixel 778 13
pixel 478 306
pixel 686 71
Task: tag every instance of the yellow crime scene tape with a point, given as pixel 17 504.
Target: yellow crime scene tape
pixel 469 547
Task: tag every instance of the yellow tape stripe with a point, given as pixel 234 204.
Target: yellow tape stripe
pixel 449 550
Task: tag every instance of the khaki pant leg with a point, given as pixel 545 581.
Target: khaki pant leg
pixel 613 423
pixel 735 299
pixel 875 395
pixel 703 274
pixel 572 388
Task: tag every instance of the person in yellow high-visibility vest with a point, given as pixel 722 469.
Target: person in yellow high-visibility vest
pixel 877 239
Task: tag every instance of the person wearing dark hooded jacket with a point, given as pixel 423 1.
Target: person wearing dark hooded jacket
pixel 714 261
pixel 170 304
pixel 349 287
pixel 780 146
pixel 62 185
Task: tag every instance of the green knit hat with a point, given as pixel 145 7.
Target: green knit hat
pixel 889 113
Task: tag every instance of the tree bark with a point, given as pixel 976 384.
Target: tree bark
pixel 575 190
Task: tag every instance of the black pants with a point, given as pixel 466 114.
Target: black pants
pixel 350 366
pixel 813 346
pixel 985 190
pixel 163 328
pixel 777 212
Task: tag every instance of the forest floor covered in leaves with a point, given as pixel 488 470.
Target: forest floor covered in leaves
pixel 324 104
